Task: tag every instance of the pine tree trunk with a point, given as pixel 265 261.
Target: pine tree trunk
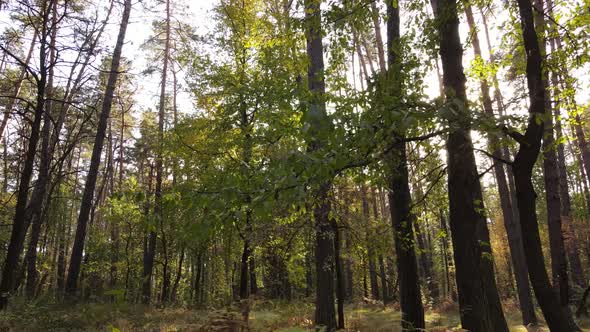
pixel 18 86
pixel 39 196
pixel 86 205
pixel 149 247
pixel 20 224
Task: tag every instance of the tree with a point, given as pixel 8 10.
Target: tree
pixel 478 295
pixel 90 185
pixel 511 221
pixel 319 127
pixel 20 225
pixel 529 146
pixel 402 218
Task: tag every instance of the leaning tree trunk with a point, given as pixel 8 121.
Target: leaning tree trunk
pixel 18 86
pixel 530 145
pixel 88 196
pixel 479 301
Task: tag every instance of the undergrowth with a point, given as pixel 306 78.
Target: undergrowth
pixel 265 315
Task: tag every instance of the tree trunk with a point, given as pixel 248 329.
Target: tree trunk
pixel 149 247
pixel 478 295
pixel 39 196
pixel 378 39
pixel 253 282
pixel 530 145
pixel 19 84
pixel 570 242
pixel 244 286
pixel 319 123
pixel 20 224
pixel 86 205
pixel 397 178
pixel 511 222
pixel 551 177
pixel 339 276
pixel 371 259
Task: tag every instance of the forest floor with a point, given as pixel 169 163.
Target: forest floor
pixel 265 316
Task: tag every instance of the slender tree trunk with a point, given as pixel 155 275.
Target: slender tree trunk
pixel 20 224
pixel 378 39
pixel 371 259
pixel 86 205
pixel 397 178
pixel 551 177
pixel 349 262
pixel 253 282
pixel 319 123
pixel 158 211
pixel 511 222
pixel 244 289
pixel 39 196
pixel 178 275
pixel 570 242
pixel 478 295
pixel 18 86
pixel 446 255
pixel 530 145
pixel 339 276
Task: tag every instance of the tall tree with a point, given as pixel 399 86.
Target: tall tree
pixel 158 209
pixel 71 286
pixel 20 224
pixel 511 221
pixel 319 124
pixel 481 309
pixel 529 147
pixel 551 175
pixel 399 197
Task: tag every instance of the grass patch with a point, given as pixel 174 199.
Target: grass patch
pixel 264 316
